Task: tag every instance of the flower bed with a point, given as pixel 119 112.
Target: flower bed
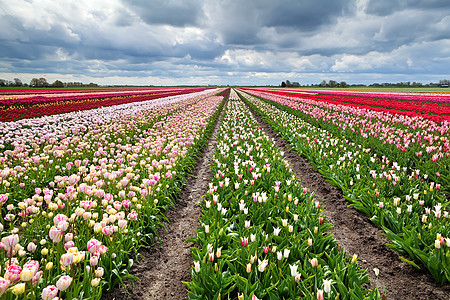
pixel 262 234
pixel 411 210
pixel 77 206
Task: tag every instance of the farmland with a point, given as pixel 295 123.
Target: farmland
pixel 246 193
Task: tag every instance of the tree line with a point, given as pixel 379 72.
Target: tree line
pixel 334 84
pixel 42 82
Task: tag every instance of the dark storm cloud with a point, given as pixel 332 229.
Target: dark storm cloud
pixel 384 8
pixel 175 12
pixel 303 15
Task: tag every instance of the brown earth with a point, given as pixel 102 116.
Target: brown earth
pixel 164 266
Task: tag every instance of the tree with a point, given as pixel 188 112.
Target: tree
pixel 288 83
pixel 343 84
pixel 34 82
pixel 58 83
pixel 17 82
pixel 283 84
pixel 39 82
pixel 323 83
pixel 332 83
pixel 43 82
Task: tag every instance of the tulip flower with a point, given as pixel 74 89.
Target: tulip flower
pixel 99 272
pixel 49 292
pixel 13 273
pixel 18 289
pixel 10 241
pixel 197 266
pixel 4 284
pixel 314 262
pixel 319 294
pixel 262 265
pixel 64 282
pixel 293 270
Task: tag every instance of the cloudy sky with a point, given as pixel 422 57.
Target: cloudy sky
pixel 236 42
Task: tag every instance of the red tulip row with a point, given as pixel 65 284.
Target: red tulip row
pixel 58 105
pixel 432 111
pixel 436 97
pixel 16 92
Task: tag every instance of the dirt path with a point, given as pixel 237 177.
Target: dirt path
pixel 164 266
pixel 355 233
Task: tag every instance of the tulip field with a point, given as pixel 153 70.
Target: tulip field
pixel 263 235
pixel 87 177
pixel 401 195
pixel 81 192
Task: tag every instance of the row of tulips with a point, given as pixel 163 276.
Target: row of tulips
pixel 395 106
pixel 78 234
pixel 415 143
pixel 432 97
pixel 11 96
pixel 29 97
pixel 412 211
pixel 37 107
pixel 60 144
pixel 263 236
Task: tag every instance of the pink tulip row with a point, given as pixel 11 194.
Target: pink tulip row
pixel 102 184
pixel 410 138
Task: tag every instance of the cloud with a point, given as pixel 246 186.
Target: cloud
pixel 177 13
pixel 207 40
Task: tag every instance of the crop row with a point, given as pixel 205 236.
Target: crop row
pixel 413 142
pixel 24 108
pixel 263 235
pixel 412 210
pixel 412 97
pixel 76 207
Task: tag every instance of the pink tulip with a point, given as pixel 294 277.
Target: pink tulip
pixel 93 261
pixel 36 277
pixel 3 198
pixel 108 230
pixel 59 218
pixel 4 284
pixel 314 262
pixel 32 265
pixel 132 216
pixel 68 245
pixel 319 294
pixel 31 247
pixel 117 205
pixel 99 272
pixel 10 241
pixel 63 283
pixel 126 204
pixel 13 274
pixel 68 237
pixel 49 292
pixel 55 234
pixel 66 259
pixel 93 245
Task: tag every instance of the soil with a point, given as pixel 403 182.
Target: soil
pixel 164 266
